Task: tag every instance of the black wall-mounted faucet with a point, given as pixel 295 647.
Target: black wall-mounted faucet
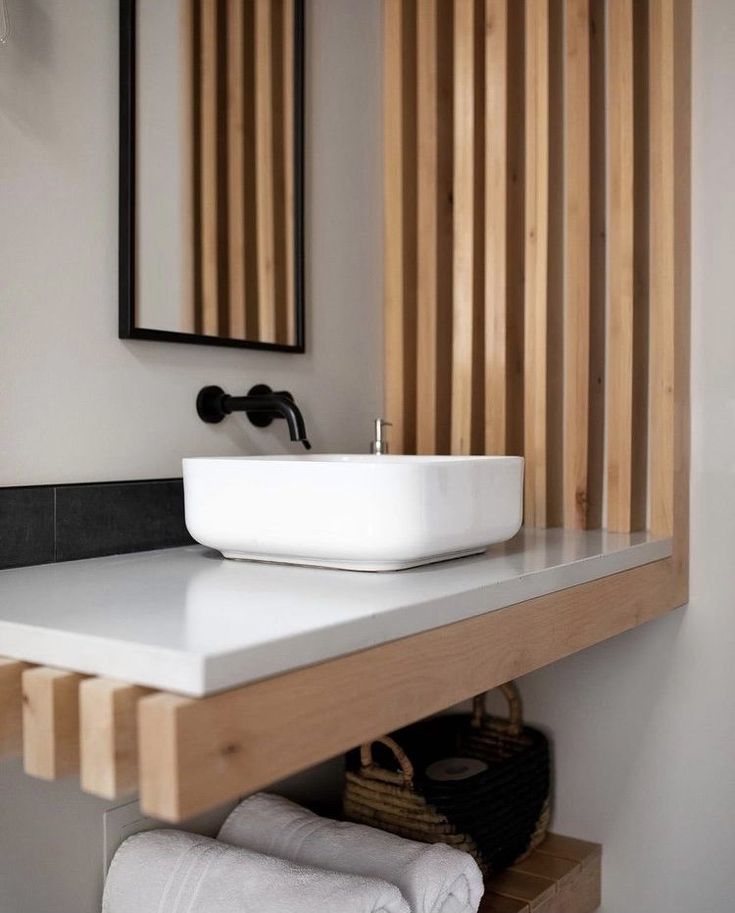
pixel 261 405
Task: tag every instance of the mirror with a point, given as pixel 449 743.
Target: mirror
pixel 211 172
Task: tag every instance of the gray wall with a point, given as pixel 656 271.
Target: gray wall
pixel 77 404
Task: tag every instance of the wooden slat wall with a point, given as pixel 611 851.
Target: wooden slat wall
pixel 240 55
pixel 560 323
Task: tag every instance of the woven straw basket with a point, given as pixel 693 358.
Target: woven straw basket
pixel 499 814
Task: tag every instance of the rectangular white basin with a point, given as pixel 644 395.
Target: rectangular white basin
pixel 367 513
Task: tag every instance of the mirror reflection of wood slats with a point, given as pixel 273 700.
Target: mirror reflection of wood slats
pixel 240 57
pixel 533 213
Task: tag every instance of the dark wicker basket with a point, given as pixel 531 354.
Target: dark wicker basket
pixel 499 814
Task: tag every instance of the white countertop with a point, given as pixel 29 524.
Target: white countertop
pixel 186 620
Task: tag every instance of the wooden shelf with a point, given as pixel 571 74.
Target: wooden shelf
pixel 562 876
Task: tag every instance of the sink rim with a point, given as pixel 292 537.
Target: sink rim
pixel 359 459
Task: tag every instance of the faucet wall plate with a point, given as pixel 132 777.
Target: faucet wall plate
pixel 260 419
pixel 211 405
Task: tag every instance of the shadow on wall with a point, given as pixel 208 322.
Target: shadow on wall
pixel 601 707
pixel 29 52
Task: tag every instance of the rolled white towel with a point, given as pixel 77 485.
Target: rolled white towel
pixel 434 878
pixel 175 872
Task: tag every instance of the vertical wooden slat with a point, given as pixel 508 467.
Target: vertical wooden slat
pixel 50 723
pixel 496 226
pixel 464 225
pixel 264 168
pixel 598 264
pixel 641 282
pixel 662 263
pixel 428 225
pixel 288 165
pixel 621 268
pixel 108 737
pixel 536 259
pixel 279 174
pixel 394 156
pixel 682 290
pixel 236 168
pixel 576 262
pixel 399 111
pixel 209 318
pixel 250 177
pixel 11 707
pixel 555 273
pixel 515 241
pixel 477 438
pixel 189 141
pixel 628 330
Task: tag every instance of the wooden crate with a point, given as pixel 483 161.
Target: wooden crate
pixel 561 876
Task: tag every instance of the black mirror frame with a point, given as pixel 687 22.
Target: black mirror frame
pixel 126 226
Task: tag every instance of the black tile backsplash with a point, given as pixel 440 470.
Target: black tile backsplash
pixel 65 522
pixel 26 526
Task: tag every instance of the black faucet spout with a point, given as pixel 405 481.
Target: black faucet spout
pixel 261 405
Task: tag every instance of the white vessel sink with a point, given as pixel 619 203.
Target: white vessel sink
pixel 368 513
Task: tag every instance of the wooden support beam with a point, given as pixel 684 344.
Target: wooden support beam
pixel 536 260
pixel 50 722
pixel 195 754
pixel 11 707
pixel 464 265
pixel 109 737
pixel 576 263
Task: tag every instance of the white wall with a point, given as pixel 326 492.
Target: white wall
pixel 76 403
pixel 644 725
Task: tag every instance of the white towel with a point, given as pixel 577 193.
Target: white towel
pixel 434 878
pixel 174 872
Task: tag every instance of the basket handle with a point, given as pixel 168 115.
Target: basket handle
pixel 404 778
pixel 515 708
